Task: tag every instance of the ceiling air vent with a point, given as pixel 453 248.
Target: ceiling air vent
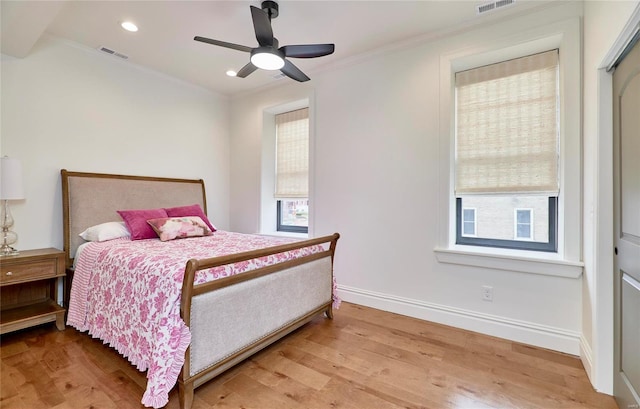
pixel 110 51
pixel 494 5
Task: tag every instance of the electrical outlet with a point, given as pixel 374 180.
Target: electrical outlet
pixel 487 293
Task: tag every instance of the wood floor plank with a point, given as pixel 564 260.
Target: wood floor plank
pixel 367 381
pixel 14 402
pixel 65 405
pixel 363 358
pixel 39 384
pixel 253 394
pixel 8 388
pixel 283 367
pixel 345 395
pixel 12 348
pixel 435 333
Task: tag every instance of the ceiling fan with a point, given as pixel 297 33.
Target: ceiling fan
pixel 267 55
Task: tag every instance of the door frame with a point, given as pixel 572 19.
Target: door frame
pixel 603 315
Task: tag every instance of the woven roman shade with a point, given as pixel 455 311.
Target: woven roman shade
pixel 292 154
pixel 507 127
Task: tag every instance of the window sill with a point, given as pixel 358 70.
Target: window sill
pixel 285 234
pixel 510 261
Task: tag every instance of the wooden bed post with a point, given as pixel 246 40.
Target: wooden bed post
pixel 186 389
pixel 332 249
pixel 185 393
pixel 329 312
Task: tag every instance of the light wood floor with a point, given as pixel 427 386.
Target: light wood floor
pixel 363 359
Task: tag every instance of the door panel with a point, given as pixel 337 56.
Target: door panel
pixel 630 161
pixel 626 137
pixel 630 331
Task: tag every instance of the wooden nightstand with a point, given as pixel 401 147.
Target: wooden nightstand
pixel 29 289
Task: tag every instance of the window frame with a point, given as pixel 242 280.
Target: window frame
pixel 267 222
pixel 279 197
pixel 516 243
pixel 486 47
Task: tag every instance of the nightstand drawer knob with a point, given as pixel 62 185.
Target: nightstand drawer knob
pixel 9 273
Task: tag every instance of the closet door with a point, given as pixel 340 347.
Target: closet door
pixel 626 129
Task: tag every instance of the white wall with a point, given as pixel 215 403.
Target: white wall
pixel 603 23
pixel 65 106
pixel 376 167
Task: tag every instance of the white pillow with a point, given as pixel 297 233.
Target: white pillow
pixel 106 231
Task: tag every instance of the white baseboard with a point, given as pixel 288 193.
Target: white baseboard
pixel 586 356
pixel 530 333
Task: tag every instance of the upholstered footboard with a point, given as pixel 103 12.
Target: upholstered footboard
pixel 251 311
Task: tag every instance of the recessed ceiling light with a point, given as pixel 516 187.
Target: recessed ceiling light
pixel 231 73
pixel 129 26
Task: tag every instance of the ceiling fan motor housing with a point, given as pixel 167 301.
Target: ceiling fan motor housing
pixel 271 8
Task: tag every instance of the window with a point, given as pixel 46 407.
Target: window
pixel 293 215
pixel 523 224
pixel 292 171
pixel 506 152
pixel 468 222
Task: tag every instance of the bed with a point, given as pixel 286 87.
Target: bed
pixel 184 310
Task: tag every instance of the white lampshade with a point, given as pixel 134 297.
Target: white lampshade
pixel 11 179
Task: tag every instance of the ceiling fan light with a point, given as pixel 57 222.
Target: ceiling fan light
pixel 267 60
pixel 129 26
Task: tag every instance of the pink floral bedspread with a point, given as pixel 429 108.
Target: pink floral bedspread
pixel 127 293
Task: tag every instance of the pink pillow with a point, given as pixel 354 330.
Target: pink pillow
pixel 136 221
pixel 193 210
pixel 169 228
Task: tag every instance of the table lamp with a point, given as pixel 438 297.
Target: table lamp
pixel 10 189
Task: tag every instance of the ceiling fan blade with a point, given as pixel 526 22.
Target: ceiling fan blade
pixel 308 50
pixel 293 72
pixel 262 27
pixel 246 70
pixel 223 44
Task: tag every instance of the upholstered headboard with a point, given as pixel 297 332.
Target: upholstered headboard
pixel 93 198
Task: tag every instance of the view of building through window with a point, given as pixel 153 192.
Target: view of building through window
pixel 294 212
pixel 468 222
pixel 523 224
pixel 508 217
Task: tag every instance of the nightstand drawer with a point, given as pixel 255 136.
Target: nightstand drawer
pixel 13 273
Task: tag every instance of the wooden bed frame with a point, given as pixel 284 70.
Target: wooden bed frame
pixel 93 198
